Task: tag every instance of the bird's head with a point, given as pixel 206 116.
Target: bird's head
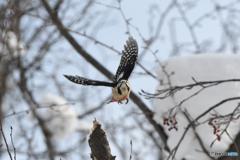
pixel 123 87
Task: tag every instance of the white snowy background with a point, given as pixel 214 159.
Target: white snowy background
pixel 204 67
pixel 108 26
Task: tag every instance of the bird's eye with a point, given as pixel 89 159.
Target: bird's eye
pixel 119 90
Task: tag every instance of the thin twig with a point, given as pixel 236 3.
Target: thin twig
pixel 131 150
pixel 192 33
pixel 3 135
pixel 225 129
pixel 235 144
pixel 104 71
pixel 13 144
pixel 164 93
pixel 173 152
pixel 39 107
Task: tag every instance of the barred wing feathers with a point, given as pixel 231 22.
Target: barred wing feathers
pixel 128 59
pixel 85 81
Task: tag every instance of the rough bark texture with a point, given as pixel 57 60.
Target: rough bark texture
pixel 98 143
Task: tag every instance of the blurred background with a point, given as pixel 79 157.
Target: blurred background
pixel 45 116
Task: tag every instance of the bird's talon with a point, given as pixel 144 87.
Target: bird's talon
pixel 109 102
pixel 120 102
pixel 127 101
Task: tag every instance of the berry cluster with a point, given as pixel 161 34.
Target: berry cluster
pixel 169 118
pixel 171 122
pixel 216 124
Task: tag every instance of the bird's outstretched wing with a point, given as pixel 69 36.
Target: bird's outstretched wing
pixel 127 63
pixel 85 81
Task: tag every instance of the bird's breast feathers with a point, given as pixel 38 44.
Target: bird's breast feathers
pixel 125 89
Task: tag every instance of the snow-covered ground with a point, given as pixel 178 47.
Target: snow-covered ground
pixel 204 67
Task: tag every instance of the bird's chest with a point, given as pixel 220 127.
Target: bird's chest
pixel 117 96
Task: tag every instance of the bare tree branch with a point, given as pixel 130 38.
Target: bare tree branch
pixel 164 93
pixel 3 135
pixel 174 151
pixel 103 70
